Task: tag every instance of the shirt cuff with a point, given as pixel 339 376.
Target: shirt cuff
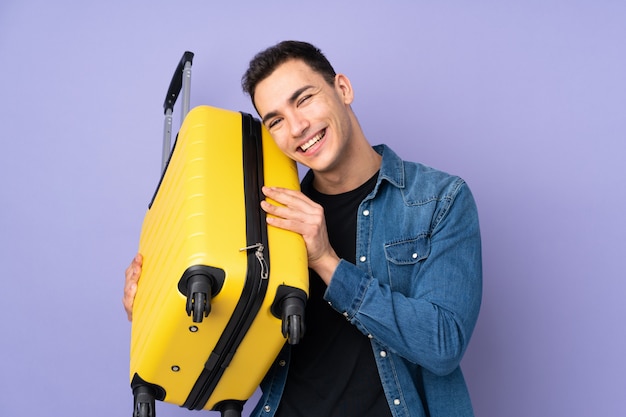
pixel 347 289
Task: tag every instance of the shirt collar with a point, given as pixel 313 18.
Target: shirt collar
pixel 391 168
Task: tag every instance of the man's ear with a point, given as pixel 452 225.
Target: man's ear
pixel 344 88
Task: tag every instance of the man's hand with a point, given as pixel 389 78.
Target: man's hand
pixel 300 214
pixel 133 272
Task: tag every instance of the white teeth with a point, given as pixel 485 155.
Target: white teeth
pixel 312 142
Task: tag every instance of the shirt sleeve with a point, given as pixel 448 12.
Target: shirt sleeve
pixel 430 324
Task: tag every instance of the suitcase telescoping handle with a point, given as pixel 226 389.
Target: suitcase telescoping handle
pixel 181 80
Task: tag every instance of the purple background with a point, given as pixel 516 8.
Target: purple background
pixel 526 100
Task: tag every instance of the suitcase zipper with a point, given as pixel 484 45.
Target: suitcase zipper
pixel 259 255
pixel 256 280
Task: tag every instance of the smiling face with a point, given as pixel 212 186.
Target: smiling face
pixel 310 120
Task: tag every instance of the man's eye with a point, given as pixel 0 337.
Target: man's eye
pixel 273 123
pixel 304 99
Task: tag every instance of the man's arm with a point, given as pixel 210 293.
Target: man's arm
pixel 430 322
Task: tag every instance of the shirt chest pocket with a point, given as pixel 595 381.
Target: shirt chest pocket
pixel 404 259
pixel 408 252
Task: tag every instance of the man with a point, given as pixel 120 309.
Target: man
pixel 394 253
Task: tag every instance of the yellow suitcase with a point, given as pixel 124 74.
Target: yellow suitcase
pixel 220 291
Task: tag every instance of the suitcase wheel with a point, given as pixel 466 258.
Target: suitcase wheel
pixel 289 306
pixel 230 408
pixel 143 410
pixel 200 283
pixel 199 297
pixel 292 319
pixel 198 305
pixel 144 402
pixel 294 329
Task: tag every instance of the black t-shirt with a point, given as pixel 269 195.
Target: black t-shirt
pixel 333 372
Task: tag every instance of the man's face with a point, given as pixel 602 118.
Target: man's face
pixel 308 119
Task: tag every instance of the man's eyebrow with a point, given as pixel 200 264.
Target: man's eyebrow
pixel 268 116
pixel 291 100
pixel 297 93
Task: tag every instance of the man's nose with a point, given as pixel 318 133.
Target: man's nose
pixel 298 124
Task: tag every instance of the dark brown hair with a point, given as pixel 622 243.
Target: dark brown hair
pixel 265 62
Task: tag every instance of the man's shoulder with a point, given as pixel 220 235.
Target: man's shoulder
pixel 420 180
pixel 426 183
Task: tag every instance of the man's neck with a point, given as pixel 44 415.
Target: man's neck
pixel 353 173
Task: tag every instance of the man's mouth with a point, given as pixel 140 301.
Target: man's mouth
pixel 313 141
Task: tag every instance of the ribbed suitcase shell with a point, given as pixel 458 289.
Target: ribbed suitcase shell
pixel 197 217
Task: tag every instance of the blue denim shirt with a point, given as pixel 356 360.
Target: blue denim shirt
pixel 415 290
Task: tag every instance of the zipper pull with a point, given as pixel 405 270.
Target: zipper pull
pixel 259 255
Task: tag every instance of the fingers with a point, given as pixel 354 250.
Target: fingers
pixel 298 213
pixel 291 203
pixel 133 272
pixel 291 211
pixel 285 195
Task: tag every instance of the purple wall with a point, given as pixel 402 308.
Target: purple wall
pixel 526 101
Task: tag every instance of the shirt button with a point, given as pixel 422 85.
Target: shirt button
pixel 383 354
pixel 362 259
pixel 396 402
pixel 366 212
pixel 414 256
pixel 369 336
pixel 267 408
pixel 345 314
pixel 282 362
